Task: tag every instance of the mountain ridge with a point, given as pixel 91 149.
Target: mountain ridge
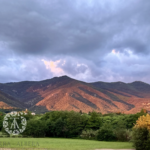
pixel 65 93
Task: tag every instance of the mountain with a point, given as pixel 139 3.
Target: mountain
pixel 9 102
pixel 65 93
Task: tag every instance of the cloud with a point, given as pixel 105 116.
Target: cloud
pixel 19 69
pixel 34 27
pixel 53 67
pixel 93 40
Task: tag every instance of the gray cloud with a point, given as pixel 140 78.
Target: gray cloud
pixel 81 33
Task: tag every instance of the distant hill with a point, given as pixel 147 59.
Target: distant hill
pixel 65 93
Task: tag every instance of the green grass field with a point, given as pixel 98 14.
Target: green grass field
pixel 61 144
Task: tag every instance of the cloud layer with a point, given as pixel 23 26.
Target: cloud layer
pixel 90 40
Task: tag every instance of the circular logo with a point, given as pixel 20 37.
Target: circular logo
pixel 14 123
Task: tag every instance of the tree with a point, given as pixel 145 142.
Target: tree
pixel 94 122
pixel 75 123
pixel 141 133
pixel 105 133
pixel 35 128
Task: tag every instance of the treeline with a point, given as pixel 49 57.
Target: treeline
pixel 108 127
pixel 2 110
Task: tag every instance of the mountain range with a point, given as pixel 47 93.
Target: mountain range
pixel 65 93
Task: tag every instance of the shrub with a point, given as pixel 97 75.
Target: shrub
pixel 141 139
pixel 123 135
pixel 141 133
pixel 88 134
pixel 106 134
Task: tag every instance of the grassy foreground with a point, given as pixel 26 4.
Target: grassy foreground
pixel 61 144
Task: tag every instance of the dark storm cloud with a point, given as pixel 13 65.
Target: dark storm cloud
pixel 72 26
pixel 82 33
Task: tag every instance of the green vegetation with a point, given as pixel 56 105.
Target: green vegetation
pixel 141 133
pixel 63 144
pixel 71 125
pixel 80 126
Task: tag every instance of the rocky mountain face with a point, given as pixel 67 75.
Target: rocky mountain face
pixel 65 93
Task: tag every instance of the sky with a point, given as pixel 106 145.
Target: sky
pixel 88 40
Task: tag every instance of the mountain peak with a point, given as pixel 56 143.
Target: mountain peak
pixel 64 76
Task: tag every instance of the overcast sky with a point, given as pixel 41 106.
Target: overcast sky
pixel 89 40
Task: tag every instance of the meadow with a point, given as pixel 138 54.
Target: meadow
pixel 61 144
